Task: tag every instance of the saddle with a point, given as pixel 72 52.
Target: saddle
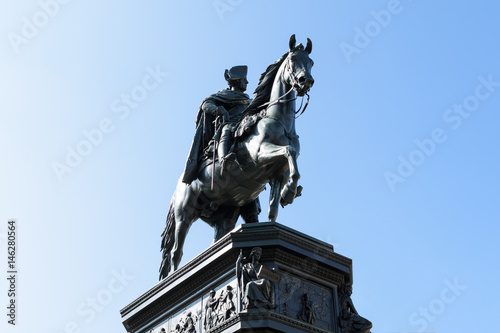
pixel 242 129
pixel 246 125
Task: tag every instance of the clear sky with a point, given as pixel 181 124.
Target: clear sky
pixel 399 148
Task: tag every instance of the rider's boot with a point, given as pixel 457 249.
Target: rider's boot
pixel 226 157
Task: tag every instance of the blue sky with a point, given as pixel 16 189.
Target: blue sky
pixel 399 148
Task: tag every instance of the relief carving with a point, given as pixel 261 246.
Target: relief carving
pixel 187 323
pixel 219 309
pixel 305 301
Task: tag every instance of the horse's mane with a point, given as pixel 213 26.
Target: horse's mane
pixel 262 93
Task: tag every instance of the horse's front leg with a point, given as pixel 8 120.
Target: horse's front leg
pixel 289 191
pixel 271 153
pixel 275 196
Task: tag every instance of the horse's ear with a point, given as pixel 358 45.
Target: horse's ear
pixel 291 43
pixel 309 46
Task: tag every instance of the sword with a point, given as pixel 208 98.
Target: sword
pixel 213 158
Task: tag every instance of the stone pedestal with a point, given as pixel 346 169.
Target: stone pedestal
pixel 305 276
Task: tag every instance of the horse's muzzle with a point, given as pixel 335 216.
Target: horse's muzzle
pixel 303 85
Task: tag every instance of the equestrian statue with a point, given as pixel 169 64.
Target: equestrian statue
pixel 240 145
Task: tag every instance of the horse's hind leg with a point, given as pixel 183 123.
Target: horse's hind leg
pixel 226 220
pixel 182 225
pixel 250 213
pixel 185 214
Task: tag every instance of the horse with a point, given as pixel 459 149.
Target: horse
pixel 266 153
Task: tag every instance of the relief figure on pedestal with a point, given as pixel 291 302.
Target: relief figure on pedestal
pixel 350 321
pixel 226 304
pixel 187 323
pixel 256 292
pixel 306 312
pixel 219 309
pixel 211 311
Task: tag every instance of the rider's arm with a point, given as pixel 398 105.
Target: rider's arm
pixel 214 110
pixel 209 107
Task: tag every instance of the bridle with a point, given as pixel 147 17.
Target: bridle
pixel 295 84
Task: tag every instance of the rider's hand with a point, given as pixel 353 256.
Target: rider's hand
pixel 221 111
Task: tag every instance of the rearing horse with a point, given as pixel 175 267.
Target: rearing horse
pixel 266 154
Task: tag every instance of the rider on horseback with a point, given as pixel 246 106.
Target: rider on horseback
pixel 228 104
pixel 267 154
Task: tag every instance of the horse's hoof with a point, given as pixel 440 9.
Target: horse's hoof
pixel 287 197
pixel 299 191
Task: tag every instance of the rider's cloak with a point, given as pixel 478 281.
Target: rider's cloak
pixel 205 128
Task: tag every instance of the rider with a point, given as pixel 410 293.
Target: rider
pixel 227 104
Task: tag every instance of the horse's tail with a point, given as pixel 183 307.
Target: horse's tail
pixel 167 242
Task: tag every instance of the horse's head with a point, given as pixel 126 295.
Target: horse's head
pixel 298 63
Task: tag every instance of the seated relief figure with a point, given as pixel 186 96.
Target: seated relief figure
pixel 350 320
pixel 256 292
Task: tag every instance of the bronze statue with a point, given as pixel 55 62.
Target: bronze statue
pixel 350 321
pixel 266 148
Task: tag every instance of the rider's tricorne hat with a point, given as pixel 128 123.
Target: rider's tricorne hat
pixel 236 72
